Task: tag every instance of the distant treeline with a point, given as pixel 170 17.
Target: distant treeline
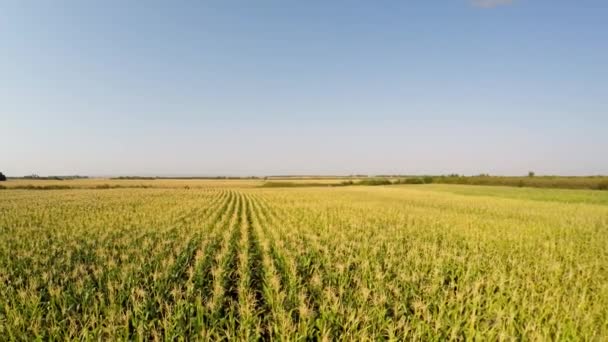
pixel 369 181
pixel 588 182
pixel 315 176
pixel 68 187
pixel 36 177
pixel 561 182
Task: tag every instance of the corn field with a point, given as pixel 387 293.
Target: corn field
pixel 421 262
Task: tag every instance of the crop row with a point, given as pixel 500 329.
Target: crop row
pixel 354 263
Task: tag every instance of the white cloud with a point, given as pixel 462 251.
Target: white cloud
pixel 490 3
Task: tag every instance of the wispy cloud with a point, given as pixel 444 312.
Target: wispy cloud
pixel 490 3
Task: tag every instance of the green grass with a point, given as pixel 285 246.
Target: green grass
pixel 551 195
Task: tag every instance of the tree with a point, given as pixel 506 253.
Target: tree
pixel 2 177
pixel 531 174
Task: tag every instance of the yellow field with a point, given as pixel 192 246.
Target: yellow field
pixel 226 259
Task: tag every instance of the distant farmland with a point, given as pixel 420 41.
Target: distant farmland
pixel 226 259
pixel 75 182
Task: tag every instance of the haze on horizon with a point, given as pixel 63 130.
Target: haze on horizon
pixel 265 88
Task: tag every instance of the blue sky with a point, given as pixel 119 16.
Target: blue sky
pixel 306 87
